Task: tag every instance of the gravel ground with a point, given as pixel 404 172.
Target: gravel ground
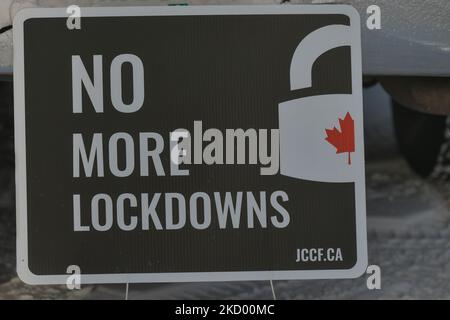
pixel 408 234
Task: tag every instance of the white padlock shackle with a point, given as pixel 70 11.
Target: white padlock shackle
pixel 312 47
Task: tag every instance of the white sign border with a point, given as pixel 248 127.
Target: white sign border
pixel 23 270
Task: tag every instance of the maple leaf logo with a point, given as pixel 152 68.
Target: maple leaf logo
pixel 344 140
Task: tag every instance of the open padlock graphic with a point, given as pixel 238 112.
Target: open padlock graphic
pixel 305 151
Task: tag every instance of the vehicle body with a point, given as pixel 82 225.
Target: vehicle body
pixel 414 38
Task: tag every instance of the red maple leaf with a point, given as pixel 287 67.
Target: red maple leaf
pixel 344 140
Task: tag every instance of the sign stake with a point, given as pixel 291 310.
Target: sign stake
pixel 126 291
pixel 273 290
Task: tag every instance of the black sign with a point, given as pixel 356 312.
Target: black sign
pixel 189 143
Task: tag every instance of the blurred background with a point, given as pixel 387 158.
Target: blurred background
pixel 407 139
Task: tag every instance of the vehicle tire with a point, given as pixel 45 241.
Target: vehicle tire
pixel 424 140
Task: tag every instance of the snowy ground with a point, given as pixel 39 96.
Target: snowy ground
pixel 408 236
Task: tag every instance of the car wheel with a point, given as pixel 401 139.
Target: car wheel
pixel 424 140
